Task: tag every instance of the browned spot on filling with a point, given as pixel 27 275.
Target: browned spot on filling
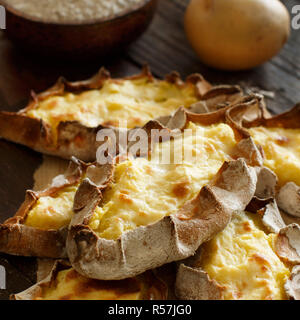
pixel 125 198
pixel 53 104
pixel 209 148
pixel 137 121
pixel 264 269
pixel 268 295
pixel 281 140
pixel 119 288
pixel 142 214
pixel 63 117
pixel 110 123
pixel 261 261
pixel 71 275
pixel 246 226
pixel 181 189
pixel 148 170
pixel 51 210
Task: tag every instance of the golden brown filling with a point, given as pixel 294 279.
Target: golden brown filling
pixel 145 190
pixel 242 260
pixel 70 285
pixel 52 212
pixel 137 101
pixel 282 151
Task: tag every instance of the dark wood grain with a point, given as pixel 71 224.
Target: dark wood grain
pixel 165 48
pixel 20 73
pixel 17 277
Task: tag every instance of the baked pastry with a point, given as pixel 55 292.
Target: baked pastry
pixel 39 228
pixel 152 213
pixel 64 283
pixel 246 261
pixel 64 120
pixel 279 139
pixel 212 205
pixel 43 219
pixel 257 255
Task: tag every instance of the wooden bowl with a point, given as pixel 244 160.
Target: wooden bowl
pixel 82 40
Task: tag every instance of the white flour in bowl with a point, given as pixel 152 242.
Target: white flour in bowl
pixel 72 10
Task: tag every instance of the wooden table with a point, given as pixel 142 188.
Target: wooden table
pixel 165 48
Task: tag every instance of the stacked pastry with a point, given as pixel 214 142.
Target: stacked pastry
pixel 217 220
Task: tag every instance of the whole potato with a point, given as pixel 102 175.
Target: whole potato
pixel 236 34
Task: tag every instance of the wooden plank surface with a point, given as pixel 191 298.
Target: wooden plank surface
pixel 165 48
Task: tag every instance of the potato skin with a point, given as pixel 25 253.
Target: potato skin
pixel 236 34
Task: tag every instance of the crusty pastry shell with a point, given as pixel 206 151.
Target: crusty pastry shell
pixel 287 244
pixel 19 239
pixel 292 286
pixel 193 283
pixel 155 289
pixel 288 197
pixel 174 237
pixel 74 138
pixel 289 119
pixel 244 116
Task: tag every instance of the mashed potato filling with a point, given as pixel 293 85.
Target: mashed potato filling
pixel 52 212
pixel 242 260
pixel 70 285
pixel 138 101
pixel 144 190
pixel 282 151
